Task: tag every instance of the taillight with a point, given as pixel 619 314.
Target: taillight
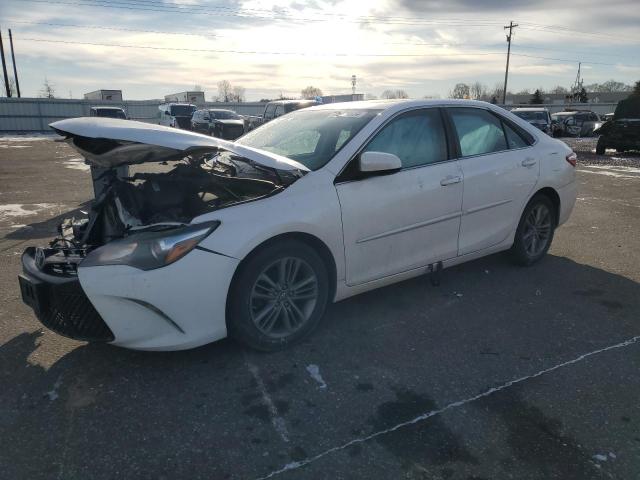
pixel 572 158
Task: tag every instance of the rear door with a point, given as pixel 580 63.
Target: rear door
pixel 500 169
pixel 400 221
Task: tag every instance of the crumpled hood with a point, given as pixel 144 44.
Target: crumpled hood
pixel 112 142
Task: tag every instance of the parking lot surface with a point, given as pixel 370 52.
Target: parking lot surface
pixel 500 372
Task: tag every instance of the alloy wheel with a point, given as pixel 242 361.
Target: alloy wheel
pixel 537 230
pixel 283 297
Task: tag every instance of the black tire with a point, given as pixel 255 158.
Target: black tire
pixel 522 252
pixel 241 305
pixel 600 147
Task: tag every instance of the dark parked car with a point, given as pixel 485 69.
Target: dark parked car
pixel 280 107
pixel 623 132
pixel 110 112
pixel 225 124
pixel 538 117
pixel 575 124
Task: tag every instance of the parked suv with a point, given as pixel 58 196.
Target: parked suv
pixel 538 117
pixel 219 123
pixel 280 107
pixel 623 132
pixel 176 115
pixel 575 124
pixel 110 112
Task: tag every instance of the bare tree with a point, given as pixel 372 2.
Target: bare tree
pixel 12 87
pixel 496 92
pixel 559 90
pixel 461 90
pixel 310 92
pixel 224 91
pixel 47 90
pixel 237 94
pixel 524 91
pixel 394 94
pixel 477 90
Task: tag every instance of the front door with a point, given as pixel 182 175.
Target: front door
pixel 404 220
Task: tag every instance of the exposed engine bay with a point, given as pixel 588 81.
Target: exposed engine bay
pixel 154 201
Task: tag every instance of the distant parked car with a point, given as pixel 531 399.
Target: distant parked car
pixel 575 124
pixel 623 132
pixel 280 107
pixel 176 115
pixel 219 123
pixel 109 112
pixel 607 116
pixel 538 117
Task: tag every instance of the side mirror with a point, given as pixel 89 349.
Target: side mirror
pixel 206 118
pixel 167 112
pixel 379 162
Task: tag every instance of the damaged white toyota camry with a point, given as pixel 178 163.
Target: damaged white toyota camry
pixel 253 238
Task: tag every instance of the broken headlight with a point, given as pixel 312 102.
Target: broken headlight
pixel 149 250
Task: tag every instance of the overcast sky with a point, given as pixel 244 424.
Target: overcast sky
pixel 281 46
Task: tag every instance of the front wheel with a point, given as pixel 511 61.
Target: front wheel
pixel 278 296
pixel 600 147
pixel 535 231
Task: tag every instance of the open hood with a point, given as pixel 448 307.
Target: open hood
pixel 111 142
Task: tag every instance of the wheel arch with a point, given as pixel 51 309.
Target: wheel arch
pixel 311 240
pixel 553 195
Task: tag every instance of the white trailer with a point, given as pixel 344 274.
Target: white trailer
pixel 111 95
pixel 196 98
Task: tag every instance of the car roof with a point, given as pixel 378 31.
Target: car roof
pixel 529 109
pixel 287 102
pixel 402 104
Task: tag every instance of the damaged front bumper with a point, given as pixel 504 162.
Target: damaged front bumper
pixel 60 303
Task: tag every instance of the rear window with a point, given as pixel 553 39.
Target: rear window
pixel 182 110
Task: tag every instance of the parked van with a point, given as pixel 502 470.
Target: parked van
pixel 176 115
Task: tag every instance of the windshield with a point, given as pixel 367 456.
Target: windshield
pixel 182 110
pixel 311 137
pixel 224 115
pixel 110 112
pixel 529 116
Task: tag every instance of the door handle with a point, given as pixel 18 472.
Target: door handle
pixel 450 180
pixel 528 162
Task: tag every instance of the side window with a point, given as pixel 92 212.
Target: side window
pixel 478 131
pixel 417 138
pixel 513 139
pixel 279 111
pixel 268 113
pixel 342 137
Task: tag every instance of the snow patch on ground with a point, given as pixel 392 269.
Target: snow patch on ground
pixel 76 164
pixel 33 137
pixel 314 371
pixel 15 146
pixel 11 210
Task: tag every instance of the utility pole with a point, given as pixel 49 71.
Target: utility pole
pixel 15 69
pixel 4 67
pixel 511 26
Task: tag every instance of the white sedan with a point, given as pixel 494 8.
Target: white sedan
pixel 253 238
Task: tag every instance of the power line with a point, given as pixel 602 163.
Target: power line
pixel 99 27
pixel 257 52
pixel 312 54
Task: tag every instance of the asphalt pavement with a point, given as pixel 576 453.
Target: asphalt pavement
pixel 500 372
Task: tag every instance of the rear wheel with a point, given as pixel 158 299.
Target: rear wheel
pixel 278 296
pixel 535 231
pixel 600 147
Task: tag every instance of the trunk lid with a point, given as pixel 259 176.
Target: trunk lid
pixel 110 143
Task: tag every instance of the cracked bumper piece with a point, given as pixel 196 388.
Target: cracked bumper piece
pixel 175 307
pixel 60 303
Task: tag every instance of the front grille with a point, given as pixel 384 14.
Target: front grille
pixel 231 132
pixel 184 122
pixel 59 302
pixel 67 311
